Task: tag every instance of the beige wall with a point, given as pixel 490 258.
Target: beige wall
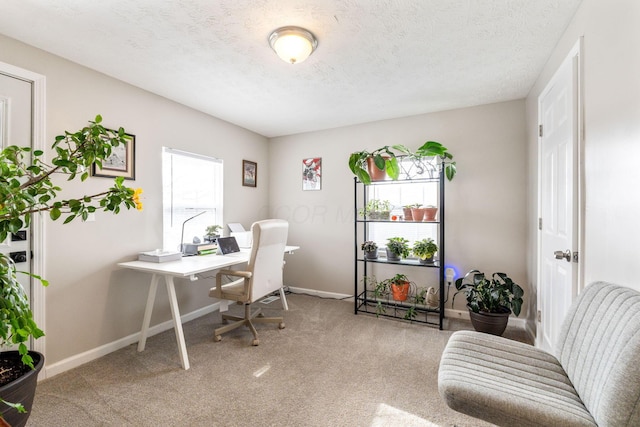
pixel 90 302
pixel 485 203
pixel 611 87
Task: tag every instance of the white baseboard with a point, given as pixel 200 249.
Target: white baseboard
pixel 80 359
pixel 321 294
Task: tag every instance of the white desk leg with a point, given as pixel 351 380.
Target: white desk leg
pixel 285 306
pixel 177 322
pixel 147 311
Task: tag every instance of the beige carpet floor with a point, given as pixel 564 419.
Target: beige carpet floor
pixel 328 367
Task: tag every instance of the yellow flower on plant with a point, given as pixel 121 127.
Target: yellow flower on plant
pixel 136 198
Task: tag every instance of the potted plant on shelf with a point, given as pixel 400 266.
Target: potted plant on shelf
pixel 377 164
pixel 406 211
pixel 490 301
pixel 378 291
pixel 400 286
pixel 370 249
pixel 417 213
pixel 436 149
pixel 397 247
pixel 376 210
pixel 430 213
pixel 25 190
pixel 211 233
pixel 425 250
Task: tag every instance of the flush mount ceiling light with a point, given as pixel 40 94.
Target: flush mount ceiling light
pixel 293 44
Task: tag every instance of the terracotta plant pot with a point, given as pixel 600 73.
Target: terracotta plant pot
pixel 417 214
pixel 407 214
pixel 400 292
pixel 430 214
pixel 375 173
pixel 490 323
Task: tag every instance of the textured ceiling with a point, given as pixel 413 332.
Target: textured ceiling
pixel 376 59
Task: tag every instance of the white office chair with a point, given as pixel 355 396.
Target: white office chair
pixel 262 277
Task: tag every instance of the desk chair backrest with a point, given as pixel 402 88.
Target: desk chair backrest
pixel 267 256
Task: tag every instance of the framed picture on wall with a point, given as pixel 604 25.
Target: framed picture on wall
pixel 312 173
pixel 121 162
pixel 249 173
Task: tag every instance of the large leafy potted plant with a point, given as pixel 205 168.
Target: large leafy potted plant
pixel 490 300
pixel 377 164
pixel 397 247
pixel 425 250
pixel 26 189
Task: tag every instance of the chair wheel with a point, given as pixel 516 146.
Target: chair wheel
pixel 217 338
pixel 281 325
pixel 260 314
pixel 255 342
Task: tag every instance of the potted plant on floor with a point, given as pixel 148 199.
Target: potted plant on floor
pixel 425 250
pixel 397 248
pixel 490 301
pixel 25 190
pixel 370 249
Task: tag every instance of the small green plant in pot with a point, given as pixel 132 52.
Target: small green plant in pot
pixel 425 250
pixel 490 301
pixel 370 249
pixel 397 247
pixel 376 210
pixel 211 233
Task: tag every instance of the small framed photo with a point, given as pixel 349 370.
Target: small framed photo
pixel 312 173
pixel 249 173
pixel 121 162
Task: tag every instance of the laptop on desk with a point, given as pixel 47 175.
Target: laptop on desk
pixel 228 245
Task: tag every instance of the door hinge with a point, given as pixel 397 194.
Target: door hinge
pixel 539 223
pixel 539 316
pixel 540 131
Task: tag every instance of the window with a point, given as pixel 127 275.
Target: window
pixel 400 195
pixel 191 196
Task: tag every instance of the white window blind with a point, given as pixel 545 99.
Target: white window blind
pixel 191 185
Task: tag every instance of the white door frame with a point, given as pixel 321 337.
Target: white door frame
pixel 38 102
pixel 575 55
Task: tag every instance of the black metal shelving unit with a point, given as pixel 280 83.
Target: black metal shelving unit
pixel 369 301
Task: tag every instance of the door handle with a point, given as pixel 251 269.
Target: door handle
pixel 566 255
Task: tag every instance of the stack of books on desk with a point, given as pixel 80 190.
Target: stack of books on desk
pixel 159 256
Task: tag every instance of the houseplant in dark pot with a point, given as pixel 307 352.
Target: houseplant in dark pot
pixel 397 247
pixel 425 250
pixel 490 301
pixel 211 233
pixel 370 249
pixel 26 188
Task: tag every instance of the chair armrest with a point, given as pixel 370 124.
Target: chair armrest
pixel 237 273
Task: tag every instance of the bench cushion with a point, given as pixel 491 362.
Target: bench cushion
pixel 508 383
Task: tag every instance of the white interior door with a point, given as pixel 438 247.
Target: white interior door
pixel 22 122
pixel 15 129
pixel 558 196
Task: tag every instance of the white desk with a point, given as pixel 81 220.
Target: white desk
pixel 186 267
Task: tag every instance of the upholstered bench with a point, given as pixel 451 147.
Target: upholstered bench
pixel 592 380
